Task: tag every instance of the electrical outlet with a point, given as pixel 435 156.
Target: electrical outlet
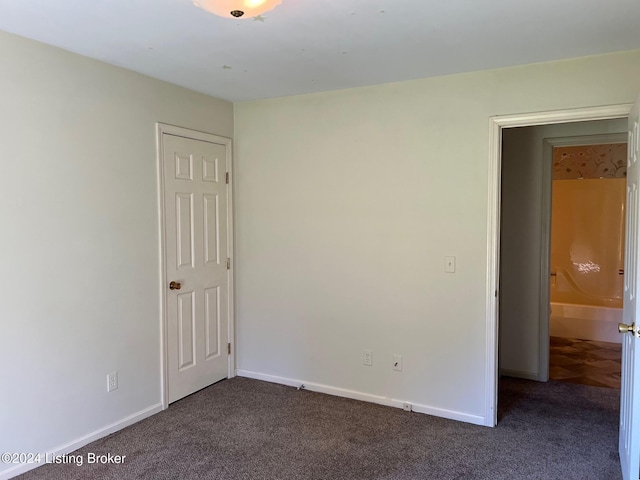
pixel 112 381
pixel 367 358
pixel 397 363
pixel 407 407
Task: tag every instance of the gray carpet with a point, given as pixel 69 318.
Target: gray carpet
pixel 247 429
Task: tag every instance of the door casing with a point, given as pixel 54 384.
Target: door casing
pixel 496 124
pixel 161 129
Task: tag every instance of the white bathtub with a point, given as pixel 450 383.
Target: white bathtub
pixel 585 322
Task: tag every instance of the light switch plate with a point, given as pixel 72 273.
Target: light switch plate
pixel 450 264
pixel 397 362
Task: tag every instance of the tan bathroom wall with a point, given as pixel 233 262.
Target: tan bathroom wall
pixel 587 242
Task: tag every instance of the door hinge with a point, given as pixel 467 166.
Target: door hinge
pixel 229 348
pixel 228 263
pixel 227 178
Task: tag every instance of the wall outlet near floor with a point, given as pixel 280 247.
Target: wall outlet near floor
pixel 407 407
pixel 397 362
pixel 367 358
pixel 112 381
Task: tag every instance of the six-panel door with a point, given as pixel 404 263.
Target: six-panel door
pixel 195 210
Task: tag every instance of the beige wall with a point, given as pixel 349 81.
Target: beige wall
pixel 347 203
pixel 79 290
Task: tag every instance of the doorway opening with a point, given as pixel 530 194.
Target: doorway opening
pixel 532 274
pixel 525 334
pixel 586 258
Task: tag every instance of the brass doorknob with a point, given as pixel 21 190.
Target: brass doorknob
pixel 175 286
pixel 624 328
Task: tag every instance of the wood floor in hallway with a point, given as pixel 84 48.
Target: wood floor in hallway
pixel 586 362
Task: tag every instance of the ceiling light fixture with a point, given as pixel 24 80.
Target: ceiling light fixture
pixel 237 8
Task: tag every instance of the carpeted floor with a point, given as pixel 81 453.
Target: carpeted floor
pixel 247 429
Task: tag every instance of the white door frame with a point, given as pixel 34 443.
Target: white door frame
pixel 496 124
pixel 161 129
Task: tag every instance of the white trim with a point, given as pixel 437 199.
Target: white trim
pixel 192 134
pixel 519 374
pixel 365 397
pixel 493 269
pixel 230 273
pixel 545 231
pixel 496 124
pixel 82 441
pixel 563 116
pixel 545 259
pixel 596 139
pixel 162 129
pixel 164 388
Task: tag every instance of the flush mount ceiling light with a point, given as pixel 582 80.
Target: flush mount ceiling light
pixel 237 8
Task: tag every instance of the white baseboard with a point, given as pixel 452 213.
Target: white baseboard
pixel 365 397
pixel 519 374
pixel 82 441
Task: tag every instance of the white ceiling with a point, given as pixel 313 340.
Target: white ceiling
pixel 307 46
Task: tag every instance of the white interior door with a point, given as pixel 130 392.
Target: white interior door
pixel 196 265
pixel 629 445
